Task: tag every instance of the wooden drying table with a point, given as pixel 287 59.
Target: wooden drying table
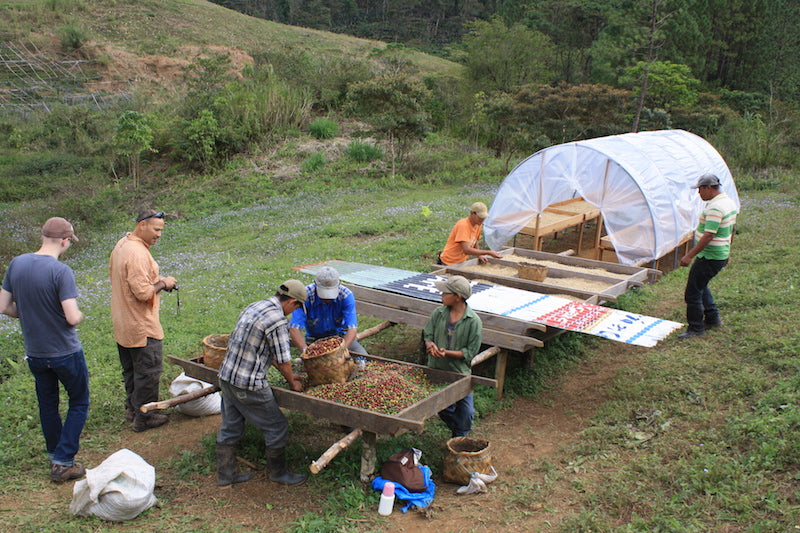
pixel 370 424
pixel 562 215
pixel 502 333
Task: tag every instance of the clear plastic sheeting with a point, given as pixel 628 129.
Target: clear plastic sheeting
pixel 641 182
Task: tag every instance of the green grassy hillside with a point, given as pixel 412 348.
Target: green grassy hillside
pixel 168 27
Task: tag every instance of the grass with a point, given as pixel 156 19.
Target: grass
pixel 728 400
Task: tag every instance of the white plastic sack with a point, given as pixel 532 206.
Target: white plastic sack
pixel 203 406
pixel 119 489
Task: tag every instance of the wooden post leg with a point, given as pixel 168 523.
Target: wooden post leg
pixel 500 371
pixel 368 456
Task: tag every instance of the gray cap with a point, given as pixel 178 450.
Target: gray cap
pixel 455 285
pixel 327 282
pixel 707 180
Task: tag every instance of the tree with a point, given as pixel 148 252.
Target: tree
pixel 503 59
pixel 134 136
pixel 496 120
pixel 668 84
pixel 395 105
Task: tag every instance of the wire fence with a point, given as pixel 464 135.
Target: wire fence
pixel 32 81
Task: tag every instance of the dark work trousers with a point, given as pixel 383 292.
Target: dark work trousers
pixel 141 370
pixel 255 406
pixel 700 306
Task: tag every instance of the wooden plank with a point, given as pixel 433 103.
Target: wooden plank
pixel 575 261
pixel 500 372
pixel 426 307
pixel 556 272
pixel 506 340
pixel 528 285
pixel 442 399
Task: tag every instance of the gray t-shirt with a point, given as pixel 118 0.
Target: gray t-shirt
pixel 39 283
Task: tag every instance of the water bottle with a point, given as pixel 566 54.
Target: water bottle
pixel 387 499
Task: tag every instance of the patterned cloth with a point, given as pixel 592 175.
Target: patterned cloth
pixel 261 337
pixel 719 218
pixel 326 319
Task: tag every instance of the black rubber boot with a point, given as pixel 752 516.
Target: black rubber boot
pixel 226 467
pixel 145 421
pixel 278 472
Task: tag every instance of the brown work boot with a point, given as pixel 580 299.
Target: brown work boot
pixel 145 421
pixel 61 473
pixel 130 413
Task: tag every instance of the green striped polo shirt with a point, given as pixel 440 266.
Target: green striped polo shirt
pixel 719 218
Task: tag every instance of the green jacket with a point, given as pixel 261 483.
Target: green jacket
pixel 466 337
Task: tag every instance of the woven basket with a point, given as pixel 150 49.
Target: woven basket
pixel 532 272
pixel 333 366
pixel 214 348
pixel 465 456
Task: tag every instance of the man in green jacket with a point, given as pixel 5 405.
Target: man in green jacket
pixel 452 338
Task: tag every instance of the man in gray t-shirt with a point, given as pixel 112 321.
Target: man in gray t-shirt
pixel 40 290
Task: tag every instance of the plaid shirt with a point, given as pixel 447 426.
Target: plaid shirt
pixel 260 337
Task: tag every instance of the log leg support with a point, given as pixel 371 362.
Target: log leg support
pixel 368 456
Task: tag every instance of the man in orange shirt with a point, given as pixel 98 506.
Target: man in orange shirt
pixel 464 238
pixel 135 299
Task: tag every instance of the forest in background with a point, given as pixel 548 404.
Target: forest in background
pixel 253 108
pixel 739 45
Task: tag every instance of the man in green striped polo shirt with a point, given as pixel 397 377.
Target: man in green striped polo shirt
pixel 712 247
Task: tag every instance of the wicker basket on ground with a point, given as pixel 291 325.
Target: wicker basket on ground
pixel 327 361
pixel 214 348
pixel 532 272
pixel 464 456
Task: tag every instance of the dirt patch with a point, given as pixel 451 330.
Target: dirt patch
pixel 123 67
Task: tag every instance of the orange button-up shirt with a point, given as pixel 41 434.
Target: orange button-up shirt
pixel 134 300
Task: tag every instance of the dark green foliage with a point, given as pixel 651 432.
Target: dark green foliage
pixel 323 128
pixel 502 58
pixel 570 112
pixel 395 105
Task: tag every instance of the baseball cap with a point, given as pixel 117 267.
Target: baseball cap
pixel 294 289
pixel 327 282
pixel 707 180
pixel 456 285
pixel 58 228
pixel 480 209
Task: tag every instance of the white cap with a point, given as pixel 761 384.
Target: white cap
pixel 327 282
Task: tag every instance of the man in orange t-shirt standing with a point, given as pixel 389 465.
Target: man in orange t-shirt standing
pixel 135 299
pixel 464 238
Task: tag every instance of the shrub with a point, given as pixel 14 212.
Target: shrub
pixel 363 152
pixel 324 128
pixel 314 162
pixel 72 38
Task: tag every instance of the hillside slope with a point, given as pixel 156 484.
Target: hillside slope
pixel 149 41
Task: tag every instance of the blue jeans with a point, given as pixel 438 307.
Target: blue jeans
pixel 700 305
pixel 62 440
pixel 255 406
pixel 458 416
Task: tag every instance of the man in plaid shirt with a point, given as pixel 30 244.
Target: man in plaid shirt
pixel 260 339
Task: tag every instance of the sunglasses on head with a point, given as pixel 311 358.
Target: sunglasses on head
pixel 160 214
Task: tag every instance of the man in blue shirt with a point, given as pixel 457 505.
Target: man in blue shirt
pixel 330 311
